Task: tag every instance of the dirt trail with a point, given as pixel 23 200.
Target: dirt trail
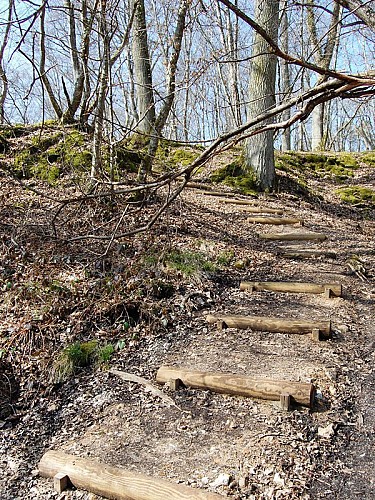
pixel 238 447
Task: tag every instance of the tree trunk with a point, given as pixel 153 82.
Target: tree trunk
pixel 259 149
pixel 285 73
pixel 3 76
pixel 317 128
pixel 142 70
pixel 323 56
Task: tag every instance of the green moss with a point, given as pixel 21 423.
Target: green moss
pixel 339 166
pixel 356 195
pixel 171 155
pixel 40 143
pixel 368 158
pixel 235 175
pixel 47 156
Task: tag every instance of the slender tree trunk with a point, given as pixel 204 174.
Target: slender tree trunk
pixel 285 73
pixel 42 64
pixel 259 149
pixel 323 57
pixel 142 70
pixel 3 76
pixel 103 90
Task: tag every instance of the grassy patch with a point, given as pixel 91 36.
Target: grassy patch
pixel 80 355
pixel 187 262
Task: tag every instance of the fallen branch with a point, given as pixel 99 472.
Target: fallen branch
pixel 129 377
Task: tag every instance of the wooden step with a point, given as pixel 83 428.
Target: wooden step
pixel 277 221
pixel 270 324
pixel 113 482
pixel 301 393
pixel 309 254
pixel 293 236
pixel 239 202
pixel 261 210
pixel 329 289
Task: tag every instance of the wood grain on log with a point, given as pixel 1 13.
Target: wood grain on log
pixel 115 483
pixel 268 324
pixel 276 221
pixel 309 254
pixel 294 287
pixel 261 210
pixel 293 236
pixel 239 202
pixel 302 393
pixel 217 193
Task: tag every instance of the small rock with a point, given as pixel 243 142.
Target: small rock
pixel 278 480
pixel 221 480
pixel 326 432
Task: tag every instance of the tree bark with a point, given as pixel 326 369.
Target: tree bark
pixel 285 73
pixel 259 149
pixel 142 70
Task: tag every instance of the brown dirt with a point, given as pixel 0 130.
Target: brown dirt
pixel 326 452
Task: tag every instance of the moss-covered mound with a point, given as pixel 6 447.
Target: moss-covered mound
pixel 336 167
pixel 357 195
pixel 237 176
pixel 48 153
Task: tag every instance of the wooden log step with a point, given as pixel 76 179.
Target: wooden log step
pixel 277 221
pixel 309 254
pixel 261 210
pixel 197 185
pixel 239 202
pixel 240 385
pixel 293 236
pixel 115 483
pixel 269 324
pixel 217 193
pixel 331 289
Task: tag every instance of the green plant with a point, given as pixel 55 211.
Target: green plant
pixel 225 258
pixel 80 355
pixel 188 263
pixel 105 353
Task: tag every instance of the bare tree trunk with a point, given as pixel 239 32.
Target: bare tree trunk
pixel 229 72
pixel 103 89
pixel 285 73
pixel 142 70
pixel 3 76
pixel 259 149
pixel 42 64
pixel 323 57
pixel 79 59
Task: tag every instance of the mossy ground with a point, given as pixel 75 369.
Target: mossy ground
pixel 357 195
pixel 336 167
pixel 51 152
pixel 236 176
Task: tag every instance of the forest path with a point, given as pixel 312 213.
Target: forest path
pixel 239 447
